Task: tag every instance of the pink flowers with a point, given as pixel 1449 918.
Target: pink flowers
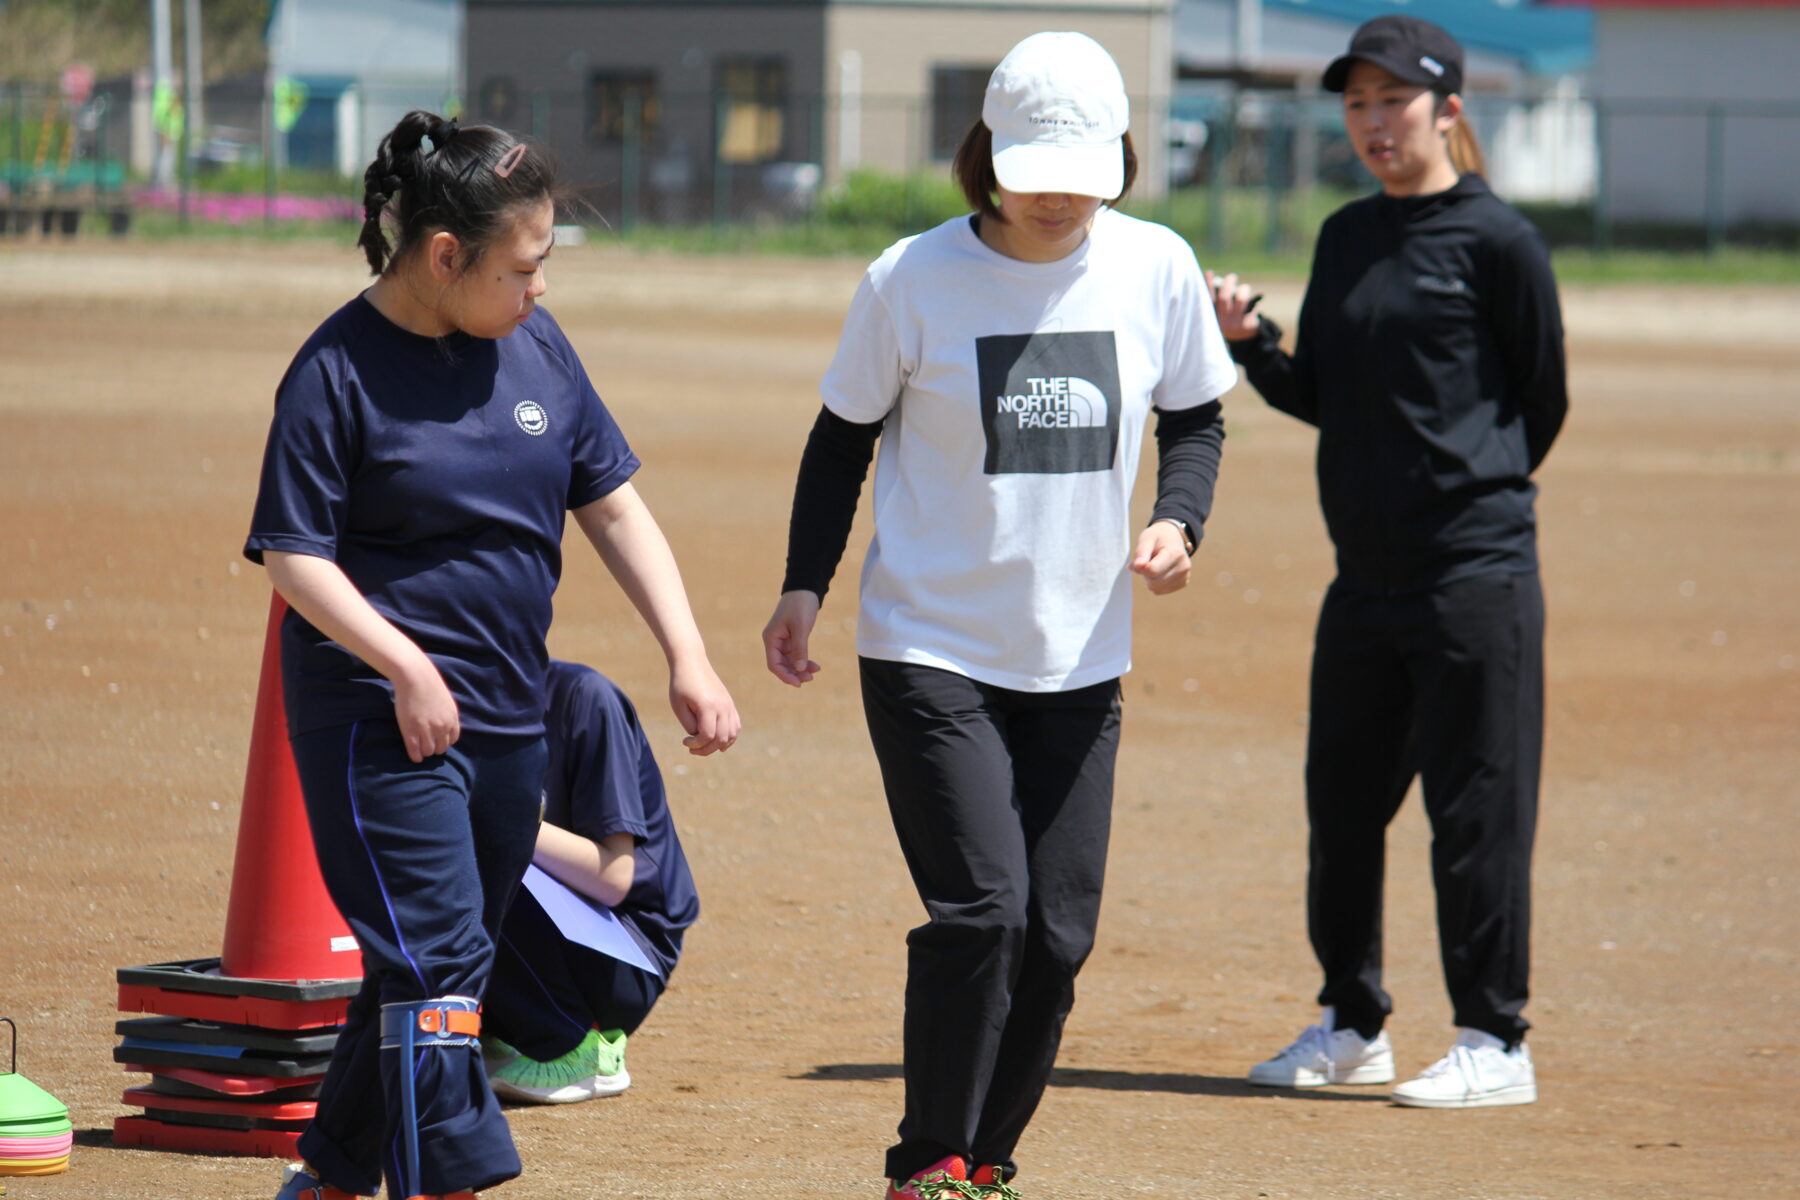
pixel 239 208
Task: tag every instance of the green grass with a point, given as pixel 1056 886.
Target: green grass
pixel 166 226
pixel 1732 265
pixel 252 179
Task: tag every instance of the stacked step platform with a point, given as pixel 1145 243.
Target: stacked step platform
pixel 239 1044
pixel 235 1064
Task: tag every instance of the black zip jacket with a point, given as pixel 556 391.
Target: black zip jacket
pixel 1430 356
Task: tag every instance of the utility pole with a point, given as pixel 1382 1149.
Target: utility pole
pixel 196 77
pixel 162 70
pixel 190 109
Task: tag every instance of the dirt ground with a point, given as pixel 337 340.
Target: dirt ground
pixel 135 386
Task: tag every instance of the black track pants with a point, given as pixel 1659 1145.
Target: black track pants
pixel 1447 685
pixel 1003 804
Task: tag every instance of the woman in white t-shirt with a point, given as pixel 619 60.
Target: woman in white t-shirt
pixel 1007 363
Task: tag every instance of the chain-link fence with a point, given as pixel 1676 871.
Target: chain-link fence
pixel 60 161
pixel 1235 171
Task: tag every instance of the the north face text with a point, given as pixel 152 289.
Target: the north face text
pixel 1049 402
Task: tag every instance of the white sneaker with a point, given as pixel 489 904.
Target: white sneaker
pixel 1323 1054
pixel 1479 1072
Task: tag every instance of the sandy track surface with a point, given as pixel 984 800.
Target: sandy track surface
pixel 135 384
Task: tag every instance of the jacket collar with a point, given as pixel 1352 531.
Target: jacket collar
pixel 1412 209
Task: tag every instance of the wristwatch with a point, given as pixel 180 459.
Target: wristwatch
pixel 1189 542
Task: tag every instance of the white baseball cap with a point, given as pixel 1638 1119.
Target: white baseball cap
pixel 1057 108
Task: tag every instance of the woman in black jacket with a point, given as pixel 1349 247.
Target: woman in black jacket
pixel 1429 355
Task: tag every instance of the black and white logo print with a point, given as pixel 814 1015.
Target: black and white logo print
pixel 531 417
pixel 1049 402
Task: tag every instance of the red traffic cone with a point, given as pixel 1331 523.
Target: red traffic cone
pixel 281 923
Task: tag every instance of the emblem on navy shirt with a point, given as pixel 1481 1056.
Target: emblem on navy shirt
pixel 531 417
pixel 1049 402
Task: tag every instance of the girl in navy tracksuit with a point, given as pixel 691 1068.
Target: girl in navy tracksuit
pixel 428 440
pixel 559 1013
pixel 1429 355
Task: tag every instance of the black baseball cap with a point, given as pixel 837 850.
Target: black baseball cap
pixel 1407 48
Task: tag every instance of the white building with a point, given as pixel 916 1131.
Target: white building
pixel 1700 111
pixel 679 107
pixel 364 64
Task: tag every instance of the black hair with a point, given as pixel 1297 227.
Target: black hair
pixel 973 170
pixel 456 186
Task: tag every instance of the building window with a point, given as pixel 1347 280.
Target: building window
pixel 753 100
pixel 956 96
pixel 615 100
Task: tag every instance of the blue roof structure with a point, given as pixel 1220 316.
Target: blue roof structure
pixel 1548 40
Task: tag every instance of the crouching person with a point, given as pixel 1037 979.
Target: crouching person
pixel 557 1013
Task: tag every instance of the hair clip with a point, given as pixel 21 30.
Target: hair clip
pixel 506 166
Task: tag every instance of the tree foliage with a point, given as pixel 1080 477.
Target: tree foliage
pixel 38 38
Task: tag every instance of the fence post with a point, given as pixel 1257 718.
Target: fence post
pixel 1715 178
pixel 185 165
pixel 1276 156
pixel 268 133
pixel 631 160
pixel 721 181
pixel 1220 141
pixel 817 157
pixel 1306 137
pixel 910 180
pixel 1603 232
pixel 15 153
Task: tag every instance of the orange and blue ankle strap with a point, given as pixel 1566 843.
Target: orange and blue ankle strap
pixel 408 1026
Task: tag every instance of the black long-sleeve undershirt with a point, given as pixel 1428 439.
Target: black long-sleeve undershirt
pixel 832 469
pixel 1189 442
pixel 838 452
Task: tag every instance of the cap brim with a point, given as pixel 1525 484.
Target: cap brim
pixel 1086 170
pixel 1337 75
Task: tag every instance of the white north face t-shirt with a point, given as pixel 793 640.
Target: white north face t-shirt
pixel 1015 396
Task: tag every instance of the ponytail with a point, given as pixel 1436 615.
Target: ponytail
pixel 1465 147
pixel 466 184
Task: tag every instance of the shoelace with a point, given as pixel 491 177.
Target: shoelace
pixel 942 1187
pixel 1461 1059
pixel 1313 1042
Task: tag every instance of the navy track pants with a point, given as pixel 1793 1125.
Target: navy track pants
pixel 547 992
pixel 421 860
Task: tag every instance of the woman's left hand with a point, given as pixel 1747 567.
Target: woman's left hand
pixel 1161 558
pixel 704 708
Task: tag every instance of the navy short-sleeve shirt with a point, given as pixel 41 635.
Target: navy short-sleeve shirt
pixel 603 779
pixel 436 473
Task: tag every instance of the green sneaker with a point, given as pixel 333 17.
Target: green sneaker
pixel 594 1068
pixel 496 1053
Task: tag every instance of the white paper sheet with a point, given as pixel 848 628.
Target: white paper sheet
pixel 586 922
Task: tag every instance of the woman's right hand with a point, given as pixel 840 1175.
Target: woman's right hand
pixel 786 635
pixel 426 710
pixel 1234 302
